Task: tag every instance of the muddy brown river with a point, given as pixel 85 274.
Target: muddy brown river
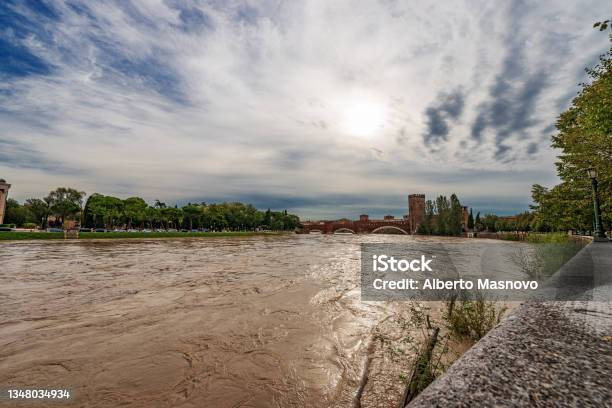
pixel 263 321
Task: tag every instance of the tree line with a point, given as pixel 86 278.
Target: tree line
pixel 493 223
pixel 108 212
pixel 443 216
pixel 61 203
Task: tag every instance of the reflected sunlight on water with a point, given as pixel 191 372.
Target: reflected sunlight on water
pixel 258 321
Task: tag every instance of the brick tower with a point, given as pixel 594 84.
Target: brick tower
pixel 416 210
pixel 4 188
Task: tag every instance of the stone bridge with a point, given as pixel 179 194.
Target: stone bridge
pixel 364 226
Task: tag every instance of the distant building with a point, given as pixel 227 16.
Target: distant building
pixel 508 218
pixel 4 188
pixel 416 211
pixel 407 224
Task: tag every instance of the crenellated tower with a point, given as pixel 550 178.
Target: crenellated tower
pixel 416 211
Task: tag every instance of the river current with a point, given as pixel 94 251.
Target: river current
pixel 262 321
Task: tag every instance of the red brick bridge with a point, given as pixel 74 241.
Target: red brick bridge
pixel 363 226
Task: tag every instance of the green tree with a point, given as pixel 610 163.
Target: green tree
pixel 161 215
pixel 471 221
pixel 113 210
pixel 17 214
pixel 267 219
pixel 560 209
pixel 40 209
pixel 65 202
pixel 455 216
pixel 94 213
pixel 104 210
pixel 443 215
pixel 478 222
pixel 133 210
pixel 90 220
pixel 172 216
pixel 524 221
pixel 151 214
pixel 192 213
pixel 429 216
pixel 214 215
pixel 489 221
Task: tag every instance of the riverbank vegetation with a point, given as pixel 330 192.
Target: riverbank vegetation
pixel 547 254
pixel 535 237
pixel 20 236
pixel 471 318
pixel 434 339
pixel 108 212
pixel 443 216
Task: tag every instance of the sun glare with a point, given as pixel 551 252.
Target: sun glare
pixel 363 118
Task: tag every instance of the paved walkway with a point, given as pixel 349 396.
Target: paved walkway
pixel 553 353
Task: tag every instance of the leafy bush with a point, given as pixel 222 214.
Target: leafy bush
pixel 471 319
pixel 550 238
pixel 548 253
pixel 508 237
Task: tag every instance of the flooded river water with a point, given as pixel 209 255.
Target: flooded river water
pixel 263 321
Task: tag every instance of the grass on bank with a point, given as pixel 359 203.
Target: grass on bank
pixel 546 254
pixel 536 238
pixel 20 236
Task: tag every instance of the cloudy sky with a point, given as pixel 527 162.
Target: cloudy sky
pixel 326 108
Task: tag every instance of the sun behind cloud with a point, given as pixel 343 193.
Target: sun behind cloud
pixel 363 118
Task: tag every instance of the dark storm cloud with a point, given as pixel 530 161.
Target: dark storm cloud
pixel 447 108
pixel 501 150
pixel 532 149
pixel 510 107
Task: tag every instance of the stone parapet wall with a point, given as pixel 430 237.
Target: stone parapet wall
pixel 545 353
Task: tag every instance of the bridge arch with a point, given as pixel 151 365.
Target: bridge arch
pixel 387 227
pixel 344 230
pixel 315 230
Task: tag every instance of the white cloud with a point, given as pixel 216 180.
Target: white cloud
pixel 253 100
